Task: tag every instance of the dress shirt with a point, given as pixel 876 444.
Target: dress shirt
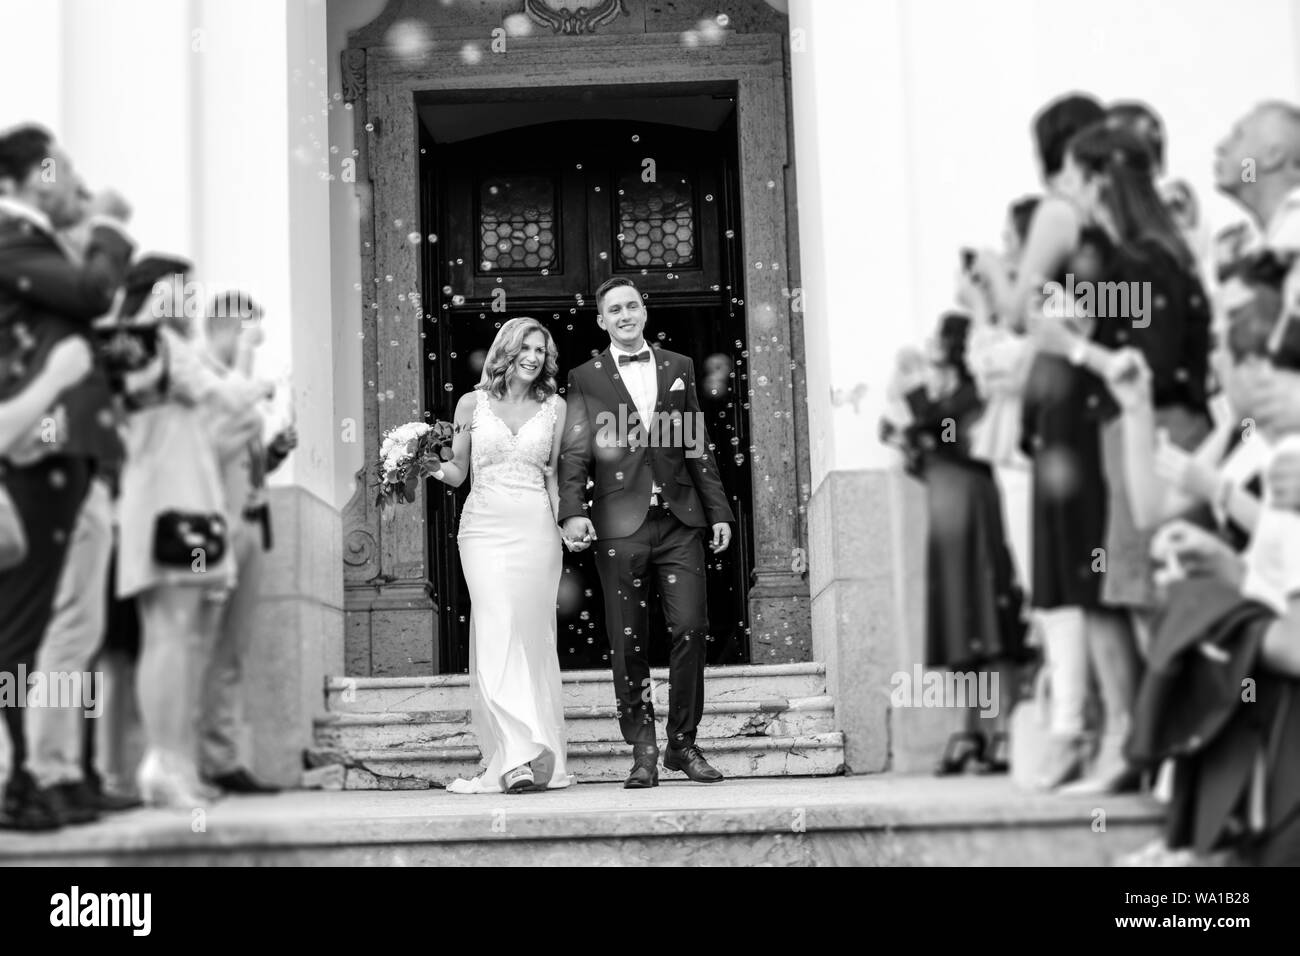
pixel 641 381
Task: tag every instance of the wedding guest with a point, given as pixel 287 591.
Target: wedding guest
pixel 1257 165
pixel 973 603
pixel 1060 434
pixel 1143 122
pixel 1220 480
pixel 57 735
pixel 999 355
pixel 1108 172
pixel 75 633
pixel 47 295
pixel 69 362
pixel 1232 784
pixel 233 333
pixel 1177 195
pixel 174 550
pixel 111 749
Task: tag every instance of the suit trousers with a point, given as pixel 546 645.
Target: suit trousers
pixel 74 635
pixel 221 722
pixel 665 551
pixel 48 496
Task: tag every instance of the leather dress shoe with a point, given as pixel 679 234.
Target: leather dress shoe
pixel 116 802
pixel 645 767
pixel 74 803
pixel 105 801
pixel 27 806
pixel 241 780
pixel 690 761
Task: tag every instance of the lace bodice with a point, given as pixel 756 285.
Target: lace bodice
pixel 515 463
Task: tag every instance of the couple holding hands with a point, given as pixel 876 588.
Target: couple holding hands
pixel 653 508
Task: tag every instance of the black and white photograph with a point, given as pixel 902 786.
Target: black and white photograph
pixel 652 433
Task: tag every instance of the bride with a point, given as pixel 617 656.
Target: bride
pixel 507 432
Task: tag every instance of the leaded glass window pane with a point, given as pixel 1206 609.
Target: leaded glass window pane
pixel 656 221
pixel 517 223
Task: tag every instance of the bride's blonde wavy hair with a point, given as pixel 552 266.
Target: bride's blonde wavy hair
pixel 506 348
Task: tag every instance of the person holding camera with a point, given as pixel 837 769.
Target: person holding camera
pixel 234 331
pixel 174 551
pixel 48 294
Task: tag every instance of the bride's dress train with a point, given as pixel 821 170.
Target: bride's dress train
pixel 510 551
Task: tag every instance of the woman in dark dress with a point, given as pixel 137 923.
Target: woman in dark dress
pixel 973 603
pixel 1151 299
pixel 1061 435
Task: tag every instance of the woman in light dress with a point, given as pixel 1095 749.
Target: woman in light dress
pixel 507 433
pixel 174 462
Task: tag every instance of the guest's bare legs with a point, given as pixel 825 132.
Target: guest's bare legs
pixel 177 624
pixel 1112 652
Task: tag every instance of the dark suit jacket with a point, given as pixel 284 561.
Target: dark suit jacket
pixel 1190 707
pixel 625 462
pixel 46 297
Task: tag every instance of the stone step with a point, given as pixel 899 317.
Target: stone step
pixel 581 688
pixel 591 761
pixel 802 717
pixel 840 821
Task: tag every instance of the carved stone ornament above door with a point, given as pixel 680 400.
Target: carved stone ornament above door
pixel 569 16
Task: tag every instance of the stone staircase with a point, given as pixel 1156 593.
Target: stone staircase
pixel 388 733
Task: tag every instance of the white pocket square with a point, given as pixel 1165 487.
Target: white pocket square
pixel 677 385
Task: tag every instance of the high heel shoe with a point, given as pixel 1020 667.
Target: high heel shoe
pixel 162 783
pixel 996 758
pixel 955 758
pixel 1066 756
pixel 1110 772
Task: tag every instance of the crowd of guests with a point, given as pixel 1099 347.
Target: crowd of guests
pixel 1108 431
pixel 133 513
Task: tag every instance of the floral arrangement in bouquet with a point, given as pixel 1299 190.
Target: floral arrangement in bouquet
pixel 409 453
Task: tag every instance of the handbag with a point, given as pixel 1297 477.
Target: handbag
pixel 1031 731
pixel 13 543
pixel 178 534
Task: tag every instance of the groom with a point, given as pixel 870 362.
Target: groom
pixel 634 426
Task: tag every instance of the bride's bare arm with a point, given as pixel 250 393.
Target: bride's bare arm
pixel 455 472
pixel 552 475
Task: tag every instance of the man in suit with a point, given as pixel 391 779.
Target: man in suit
pixel 1258 166
pixel 635 428
pixel 48 292
pixel 234 330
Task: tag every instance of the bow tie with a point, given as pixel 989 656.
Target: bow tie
pixel 639 357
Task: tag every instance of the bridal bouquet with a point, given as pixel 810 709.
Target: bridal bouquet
pixel 408 454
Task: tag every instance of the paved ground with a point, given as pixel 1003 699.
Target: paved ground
pixel 755 806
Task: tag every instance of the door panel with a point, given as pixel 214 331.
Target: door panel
pixel 691 309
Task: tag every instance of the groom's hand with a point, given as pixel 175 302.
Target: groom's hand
pixel 721 537
pixel 579 532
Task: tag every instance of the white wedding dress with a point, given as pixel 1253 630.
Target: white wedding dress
pixel 510 551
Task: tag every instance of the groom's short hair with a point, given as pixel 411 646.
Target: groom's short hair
pixel 609 285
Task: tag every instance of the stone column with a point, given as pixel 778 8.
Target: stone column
pixel 386 553
pixel 855 211
pixel 780 625
pixel 262 215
